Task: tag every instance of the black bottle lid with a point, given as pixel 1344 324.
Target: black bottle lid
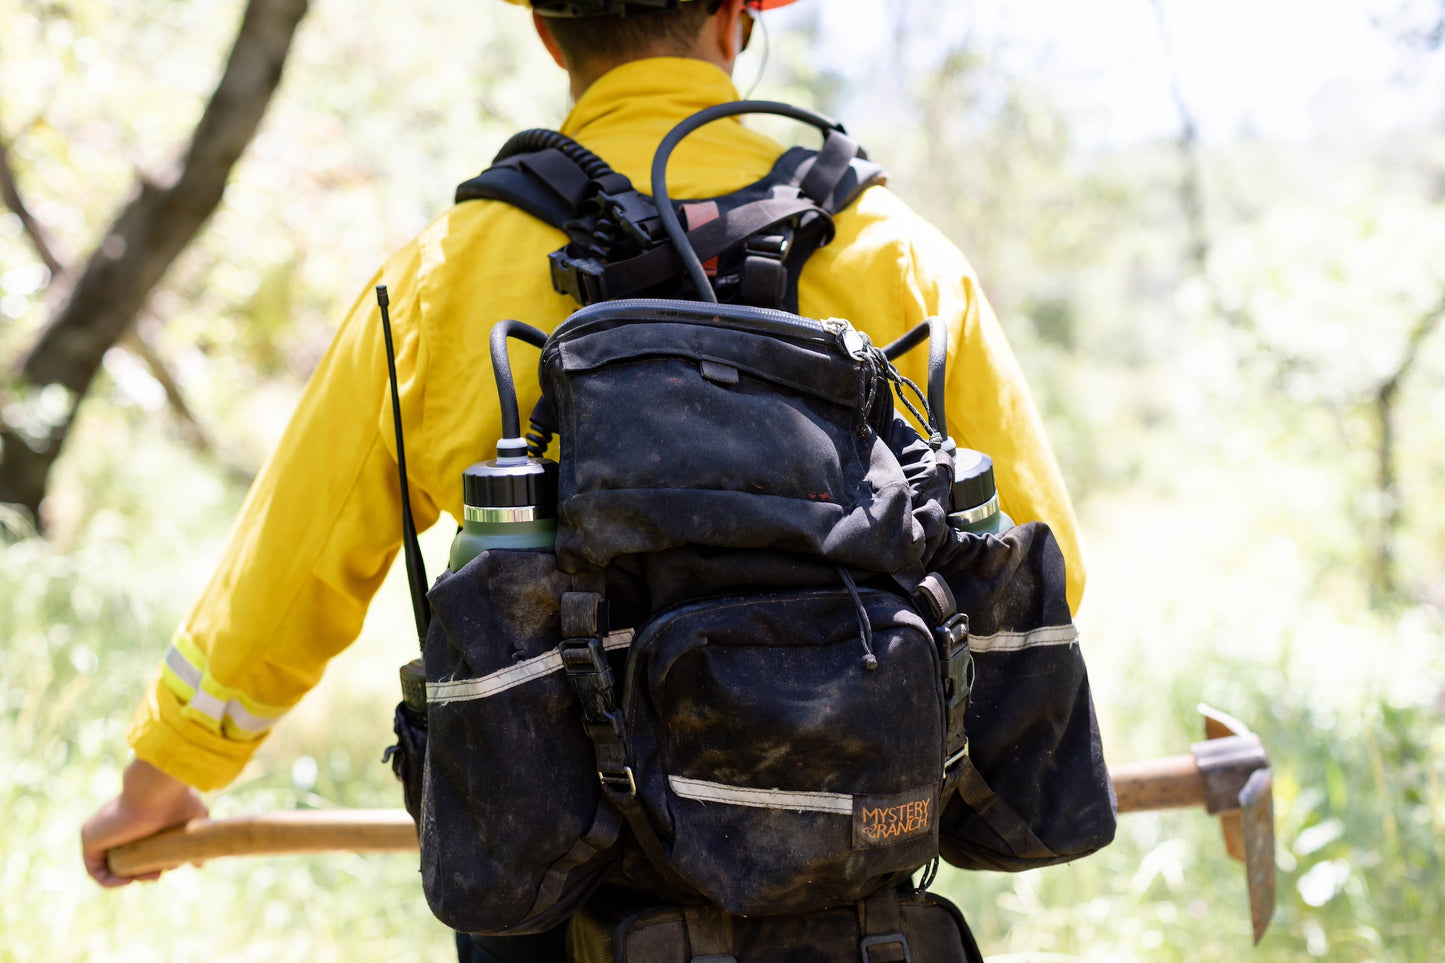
pixel 973 483
pixel 512 483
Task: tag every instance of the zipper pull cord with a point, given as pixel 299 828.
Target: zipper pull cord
pixel 870 661
pixel 867 393
pixel 899 382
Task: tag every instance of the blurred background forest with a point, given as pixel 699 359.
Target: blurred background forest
pixel 1215 234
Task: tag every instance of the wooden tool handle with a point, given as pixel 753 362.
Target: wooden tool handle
pixel 271 834
pixel 1168 783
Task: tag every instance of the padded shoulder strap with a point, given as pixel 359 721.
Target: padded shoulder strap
pixel 617 245
pixel 551 183
pixel 832 177
pixel 546 184
pixel 545 173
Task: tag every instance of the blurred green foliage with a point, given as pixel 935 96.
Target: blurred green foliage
pixel 1217 417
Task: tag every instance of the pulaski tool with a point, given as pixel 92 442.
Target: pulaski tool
pixel 1228 774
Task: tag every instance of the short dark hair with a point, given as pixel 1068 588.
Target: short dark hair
pixel 588 41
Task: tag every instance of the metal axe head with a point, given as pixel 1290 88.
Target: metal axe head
pixel 1239 788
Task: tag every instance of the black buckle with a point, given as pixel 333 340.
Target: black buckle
pixel 579 278
pixel 950 632
pixel 590 674
pixel 887 939
pixel 958 676
pixel 634 213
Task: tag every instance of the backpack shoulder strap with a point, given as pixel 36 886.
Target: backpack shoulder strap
pixel 617 248
pixel 545 173
pixel 833 176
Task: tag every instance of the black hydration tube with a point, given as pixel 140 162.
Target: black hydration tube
pixel 411 549
pixel 506 385
pixel 670 223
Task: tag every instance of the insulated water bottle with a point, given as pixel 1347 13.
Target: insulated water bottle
pixel 974 505
pixel 508 502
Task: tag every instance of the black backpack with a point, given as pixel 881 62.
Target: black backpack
pixel 744 681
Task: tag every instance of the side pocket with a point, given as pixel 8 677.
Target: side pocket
pixel 408 756
pixel 1033 738
pixel 513 832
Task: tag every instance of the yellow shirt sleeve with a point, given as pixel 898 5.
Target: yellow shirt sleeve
pixel 314 539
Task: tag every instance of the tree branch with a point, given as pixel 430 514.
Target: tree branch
pixel 144 240
pixel 139 345
pixel 10 190
pixel 157 224
pixel 1382 579
pixel 192 431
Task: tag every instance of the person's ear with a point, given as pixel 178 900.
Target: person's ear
pixel 544 30
pixel 728 22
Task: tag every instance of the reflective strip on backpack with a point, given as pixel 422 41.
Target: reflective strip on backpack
pixel 1018 641
pixel 495 683
pixel 229 712
pixel 817 802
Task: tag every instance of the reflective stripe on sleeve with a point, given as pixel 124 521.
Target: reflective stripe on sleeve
pixel 229 712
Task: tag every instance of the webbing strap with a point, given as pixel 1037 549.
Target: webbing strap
pixel 708 240
pixel 1000 817
pixel 584 659
pixel 709 934
pixel 880 920
pixel 646 836
pixel 602 834
pixel 830 166
pixel 879 913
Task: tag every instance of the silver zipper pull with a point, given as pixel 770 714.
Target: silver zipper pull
pixel 854 342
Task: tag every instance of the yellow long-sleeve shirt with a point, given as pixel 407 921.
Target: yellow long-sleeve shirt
pixel 320 527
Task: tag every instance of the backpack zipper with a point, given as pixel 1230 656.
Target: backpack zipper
pixel 833 332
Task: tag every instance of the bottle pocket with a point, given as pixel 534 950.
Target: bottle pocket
pixel 513 836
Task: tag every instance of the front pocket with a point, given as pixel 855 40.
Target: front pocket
pixel 780 774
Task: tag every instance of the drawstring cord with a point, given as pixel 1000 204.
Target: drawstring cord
pixel 870 661
pixel 875 365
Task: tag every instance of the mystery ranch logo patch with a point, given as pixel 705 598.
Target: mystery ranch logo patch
pixel 885 820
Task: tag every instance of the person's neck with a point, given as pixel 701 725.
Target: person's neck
pixel 581 79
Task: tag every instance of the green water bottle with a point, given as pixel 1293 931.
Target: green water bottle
pixel 508 502
pixel 974 505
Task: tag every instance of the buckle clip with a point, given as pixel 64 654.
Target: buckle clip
pixel 579 278
pixel 950 632
pixel 635 214
pixel 888 939
pixel 589 672
pixel 770 245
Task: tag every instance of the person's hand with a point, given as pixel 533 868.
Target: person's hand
pixel 149 801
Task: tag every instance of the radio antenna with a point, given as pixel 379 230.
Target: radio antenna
pixel 411 549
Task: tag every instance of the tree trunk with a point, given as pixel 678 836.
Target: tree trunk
pixel 141 244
